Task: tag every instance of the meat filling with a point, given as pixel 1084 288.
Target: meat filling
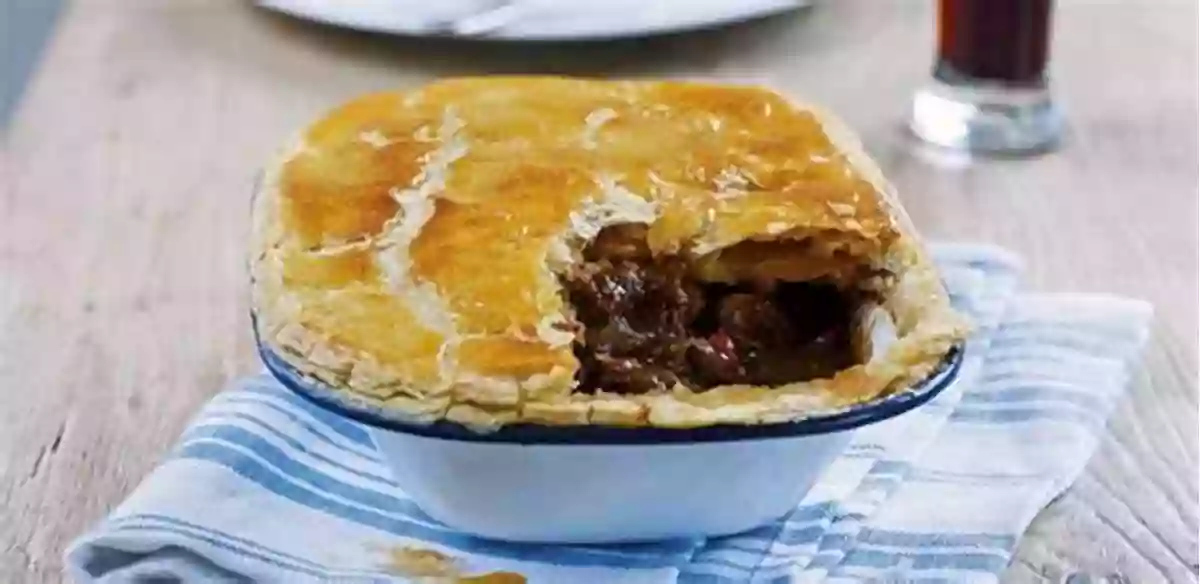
pixel 648 323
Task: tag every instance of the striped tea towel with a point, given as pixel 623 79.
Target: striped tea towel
pixel 266 487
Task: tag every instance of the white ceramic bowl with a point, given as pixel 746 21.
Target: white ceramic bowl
pixel 594 484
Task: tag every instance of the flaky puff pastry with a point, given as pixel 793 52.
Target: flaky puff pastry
pixel 407 246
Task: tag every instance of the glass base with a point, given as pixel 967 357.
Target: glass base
pixel 987 119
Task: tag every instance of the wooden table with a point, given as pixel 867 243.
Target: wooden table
pixel 126 172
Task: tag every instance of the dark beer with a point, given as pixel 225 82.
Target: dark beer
pixel 1002 41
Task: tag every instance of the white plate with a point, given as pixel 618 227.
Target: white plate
pixel 531 20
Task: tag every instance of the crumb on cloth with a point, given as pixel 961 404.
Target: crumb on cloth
pixel 433 567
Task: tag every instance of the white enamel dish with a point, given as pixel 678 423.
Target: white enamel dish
pixel 596 484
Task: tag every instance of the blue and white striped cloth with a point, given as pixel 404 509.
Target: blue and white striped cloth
pixel 265 487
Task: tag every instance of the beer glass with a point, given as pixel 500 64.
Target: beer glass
pixel 990 92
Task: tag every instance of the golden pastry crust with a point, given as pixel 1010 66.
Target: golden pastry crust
pixel 408 245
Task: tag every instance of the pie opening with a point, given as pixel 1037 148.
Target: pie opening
pixel 649 322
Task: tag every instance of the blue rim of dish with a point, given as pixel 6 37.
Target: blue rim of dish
pixel 341 402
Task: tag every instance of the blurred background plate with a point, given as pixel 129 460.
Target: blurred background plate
pixel 531 20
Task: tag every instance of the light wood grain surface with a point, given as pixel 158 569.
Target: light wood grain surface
pixel 123 215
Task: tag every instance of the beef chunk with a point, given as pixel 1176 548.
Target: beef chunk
pixel 635 317
pixel 715 361
pixel 755 321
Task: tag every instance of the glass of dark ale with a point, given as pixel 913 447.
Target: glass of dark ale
pixel 990 92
